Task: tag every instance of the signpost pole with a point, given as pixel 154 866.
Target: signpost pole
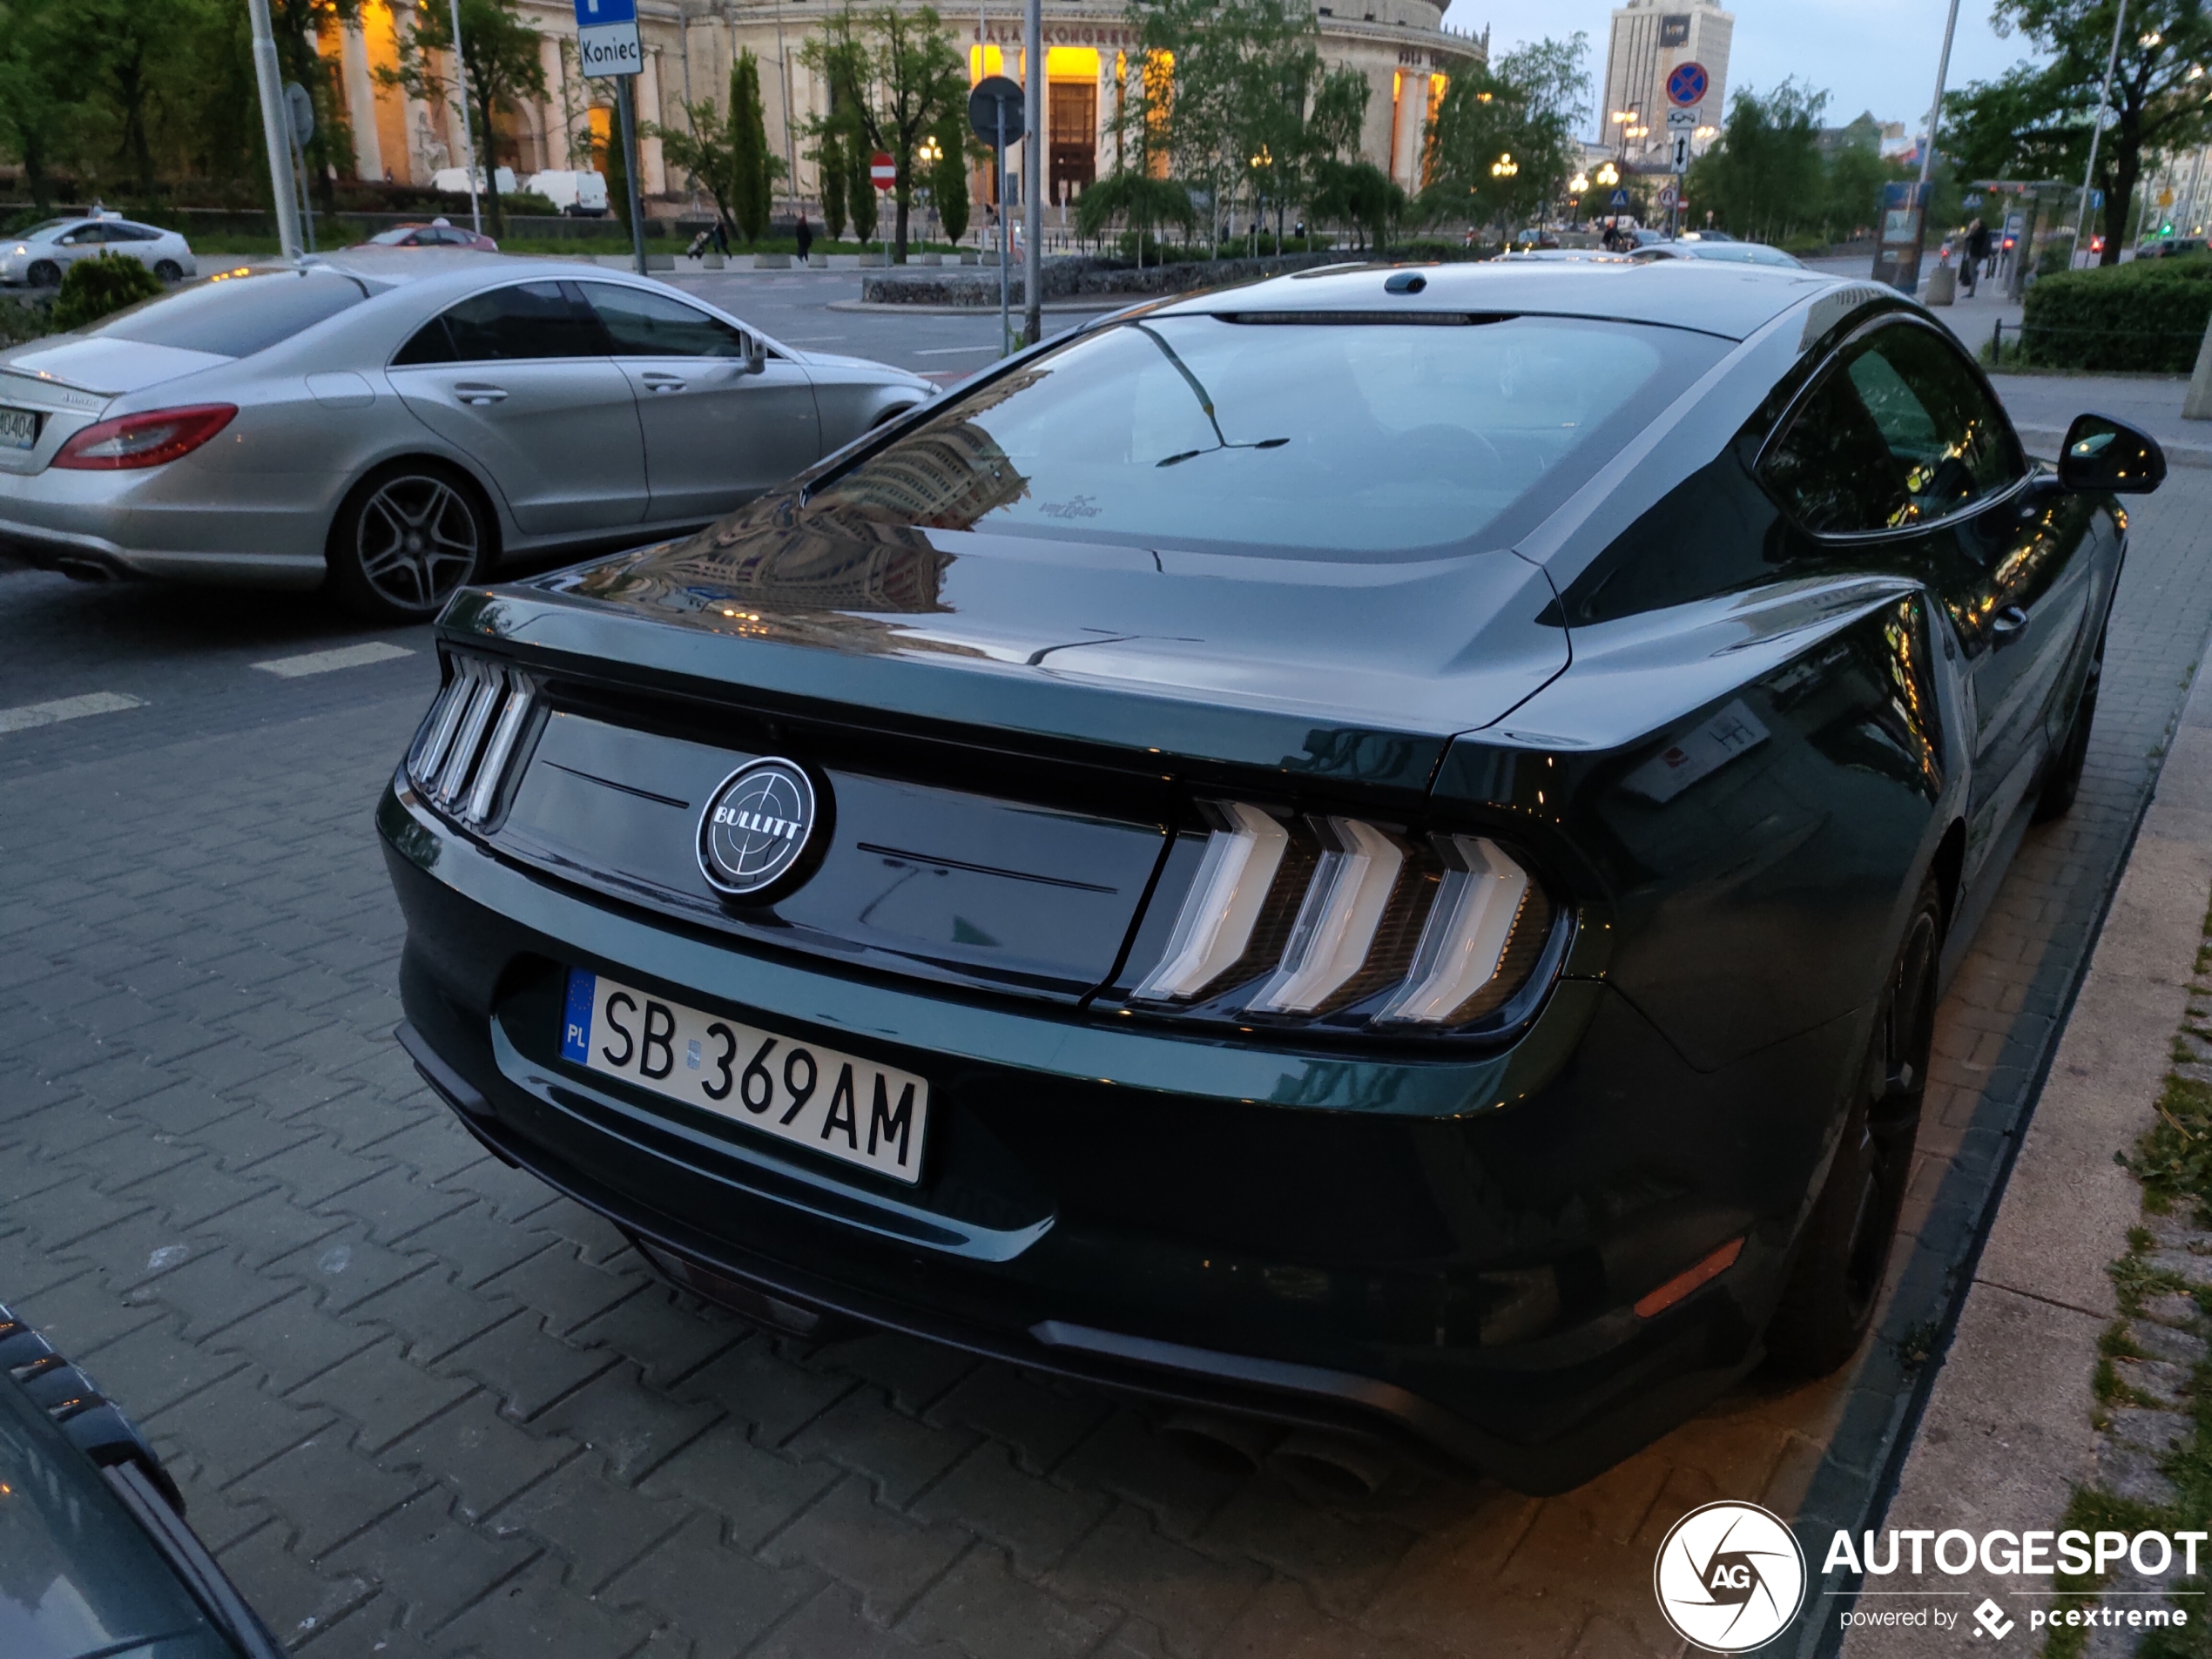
pixel 627 104
pixel 1005 258
pixel 274 128
pixel 1033 176
pixel 2104 102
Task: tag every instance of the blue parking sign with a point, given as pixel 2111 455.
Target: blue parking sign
pixel 589 14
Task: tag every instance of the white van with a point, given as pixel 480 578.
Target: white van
pixel 455 180
pixel 580 195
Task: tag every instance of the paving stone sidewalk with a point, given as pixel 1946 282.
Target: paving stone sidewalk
pixel 420 1406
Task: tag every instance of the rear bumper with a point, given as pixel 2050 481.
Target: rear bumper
pixel 108 525
pixel 1403 1258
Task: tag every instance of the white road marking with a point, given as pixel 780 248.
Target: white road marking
pixel 322 662
pixel 952 351
pixel 66 708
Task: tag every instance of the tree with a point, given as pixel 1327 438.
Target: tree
pixel 1764 178
pixel 34 113
pixel 829 163
pixel 499 58
pixel 860 195
pixel 2158 96
pixel 1224 94
pixel 751 168
pixel 1359 193
pixel 948 177
pixel 893 75
pixel 702 151
pixel 1502 144
pixel 1137 198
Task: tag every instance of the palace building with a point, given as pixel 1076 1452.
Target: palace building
pixel 1089 53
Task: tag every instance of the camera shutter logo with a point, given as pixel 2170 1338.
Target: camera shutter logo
pixel 1730 1577
pixel 756 827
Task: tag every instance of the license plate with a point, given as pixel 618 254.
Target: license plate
pixel 815 1097
pixel 18 429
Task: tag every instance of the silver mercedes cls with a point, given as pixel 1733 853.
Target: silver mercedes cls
pixel 397 423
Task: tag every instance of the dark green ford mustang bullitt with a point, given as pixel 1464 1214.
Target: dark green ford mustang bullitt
pixel 1376 848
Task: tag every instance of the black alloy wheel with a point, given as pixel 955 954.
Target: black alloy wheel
pixel 44 273
pixel 170 270
pixel 1829 1303
pixel 407 539
pixel 2063 781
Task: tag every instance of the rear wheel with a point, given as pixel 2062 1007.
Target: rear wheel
pixel 169 271
pixel 1837 1280
pixel 407 539
pixel 44 274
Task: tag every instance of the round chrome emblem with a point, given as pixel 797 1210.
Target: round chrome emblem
pixel 756 827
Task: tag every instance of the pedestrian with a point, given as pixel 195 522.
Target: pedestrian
pixel 722 236
pixel 1977 253
pixel 806 235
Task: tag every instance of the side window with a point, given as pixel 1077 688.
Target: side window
pixel 528 319
pixel 1898 432
pixel 82 236
pixel 649 325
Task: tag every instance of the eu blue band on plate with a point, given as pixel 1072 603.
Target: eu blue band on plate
pixel 576 1019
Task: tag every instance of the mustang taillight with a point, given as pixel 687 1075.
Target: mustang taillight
pixel 1338 920
pixel 460 757
pixel 148 440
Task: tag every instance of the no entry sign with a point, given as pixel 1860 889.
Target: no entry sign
pixel 882 173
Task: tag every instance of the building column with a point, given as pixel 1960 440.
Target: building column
pixel 553 117
pixel 360 102
pixel 650 166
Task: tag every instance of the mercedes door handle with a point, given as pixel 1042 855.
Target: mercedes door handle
pixel 475 393
pixel 663 383
pixel 2007 626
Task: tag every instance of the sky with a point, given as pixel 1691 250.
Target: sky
pixel 1878 55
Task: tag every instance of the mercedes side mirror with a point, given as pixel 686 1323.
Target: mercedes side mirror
pixel 2107 456
pixel 756 362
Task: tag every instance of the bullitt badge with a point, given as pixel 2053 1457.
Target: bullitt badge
pixel 757 829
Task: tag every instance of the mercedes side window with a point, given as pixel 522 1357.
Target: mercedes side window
pixel 1898 432
pixel 649 325
pixel 523 320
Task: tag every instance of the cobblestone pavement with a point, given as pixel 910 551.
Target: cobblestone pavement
pixel 419 1406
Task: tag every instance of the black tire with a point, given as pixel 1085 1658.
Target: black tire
pixel 44 273
pixel 1828 1304
pixel 411 536
pixel 170 270
pixel 2063 781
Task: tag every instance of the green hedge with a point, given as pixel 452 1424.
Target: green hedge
pixel 92 288
pixel 2146 317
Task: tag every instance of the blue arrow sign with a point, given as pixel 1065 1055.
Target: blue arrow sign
pixel 589 14
pixel 1685 87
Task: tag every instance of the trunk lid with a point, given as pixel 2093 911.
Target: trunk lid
pixel 97 364
pixel 1353 671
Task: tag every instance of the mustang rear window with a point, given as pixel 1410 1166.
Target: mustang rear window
pixel 236 316
pixel 1308 436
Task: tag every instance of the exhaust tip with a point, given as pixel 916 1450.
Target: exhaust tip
pixel 1231 1445
pixel 1337 1463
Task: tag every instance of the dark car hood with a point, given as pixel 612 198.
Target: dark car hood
pixel 1352 668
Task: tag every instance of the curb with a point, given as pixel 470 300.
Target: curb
pixel 2004 1435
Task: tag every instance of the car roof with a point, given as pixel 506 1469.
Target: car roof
pixel 1730 300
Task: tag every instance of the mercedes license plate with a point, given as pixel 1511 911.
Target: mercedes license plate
pixel 18 429
pixel 816 1097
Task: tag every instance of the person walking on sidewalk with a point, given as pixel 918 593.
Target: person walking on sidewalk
pixel 1976 254
pixel 805 234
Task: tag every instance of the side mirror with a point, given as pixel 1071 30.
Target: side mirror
pixel 756 362
pixel 2107 456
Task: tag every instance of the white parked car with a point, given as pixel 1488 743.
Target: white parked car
pixel 580 195
pixel 453 181
pixel 40 255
